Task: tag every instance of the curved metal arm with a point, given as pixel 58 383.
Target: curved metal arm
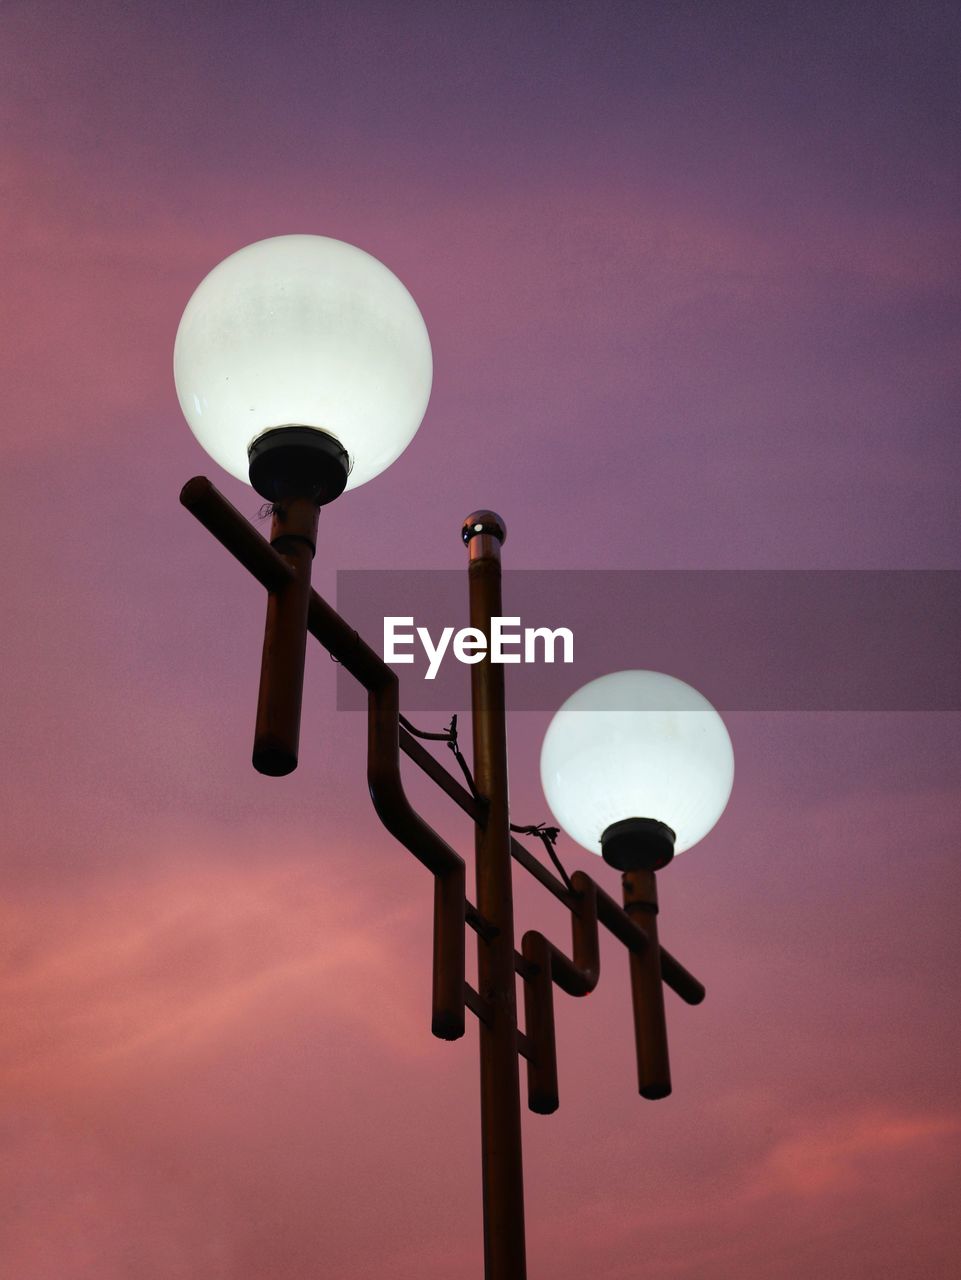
pixel 609 913
pixel 385 741
pixel 393 808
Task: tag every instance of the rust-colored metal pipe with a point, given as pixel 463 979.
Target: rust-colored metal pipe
pixel 395 812
pixel 273 570
pixel 577 976
pixel 609 913
pixel 293 535
pixel 238 536
pixel 502 1170
pixel 647 991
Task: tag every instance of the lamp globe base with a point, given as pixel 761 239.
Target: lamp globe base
pixel 638 844
pixel 298 462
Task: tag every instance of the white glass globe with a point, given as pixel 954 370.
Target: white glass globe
pixel 303 331
pixel 637 744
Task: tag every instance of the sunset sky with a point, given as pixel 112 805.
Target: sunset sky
pixel 692 278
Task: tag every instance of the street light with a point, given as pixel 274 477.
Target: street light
pixel 638 766
pixel 303 366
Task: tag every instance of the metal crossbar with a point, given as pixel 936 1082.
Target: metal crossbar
pixel 540 964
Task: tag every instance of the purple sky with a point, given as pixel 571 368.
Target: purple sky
pixel 691 275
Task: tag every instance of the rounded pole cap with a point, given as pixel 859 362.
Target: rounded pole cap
pixel 484 522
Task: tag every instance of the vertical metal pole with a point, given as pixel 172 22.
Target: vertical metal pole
pixel 503 1178
pixel 293 534
pixel 647 988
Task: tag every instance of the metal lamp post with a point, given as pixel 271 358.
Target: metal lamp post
pixel 303 366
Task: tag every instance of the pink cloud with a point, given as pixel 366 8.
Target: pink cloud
pixel 864 1177
pixel 166 966
pixel 851 1152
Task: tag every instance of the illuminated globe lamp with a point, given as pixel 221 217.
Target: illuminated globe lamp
pixel 302 364
pixel 637 766
pixel 303 367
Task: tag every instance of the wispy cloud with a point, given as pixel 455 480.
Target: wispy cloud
pixel 176 961
pixel 849 1153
